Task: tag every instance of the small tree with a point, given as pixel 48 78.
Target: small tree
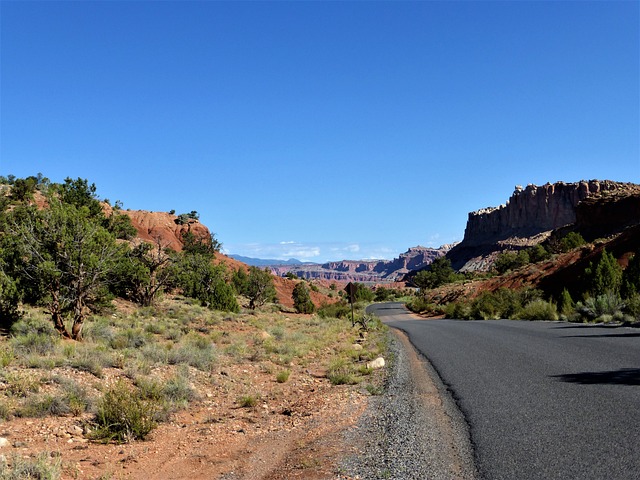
pixel 68 256
pixel 631 277
pixel 144 272
pixel 199 278
pixel 9 301
pixel 606 276
pixel 302 300
pixel 438 273
pixel 566 304
pixel 259 287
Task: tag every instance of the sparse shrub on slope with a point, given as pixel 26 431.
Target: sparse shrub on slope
pixel 301 299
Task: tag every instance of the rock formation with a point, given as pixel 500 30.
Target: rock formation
pixel 164 227
pixel 366 271
pixel 533 212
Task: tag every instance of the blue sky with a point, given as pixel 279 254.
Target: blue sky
pixel 320 130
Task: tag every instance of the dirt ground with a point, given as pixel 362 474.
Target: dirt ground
pixel 296 431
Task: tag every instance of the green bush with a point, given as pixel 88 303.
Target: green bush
pixel 124 415
pixel 539 309
pixel 42 467
pixel 601 308
pixel 38 406
pixel 335 310
pixel 571 241
pixel 605 276
pixel 282 376
pixel 9 300
pixel 342 372
pixel 302 300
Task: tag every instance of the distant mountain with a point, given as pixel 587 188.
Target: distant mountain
pixel 365 270
pixel 261 262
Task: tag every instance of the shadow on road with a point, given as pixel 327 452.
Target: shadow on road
pixel 621 335
pixel 625 376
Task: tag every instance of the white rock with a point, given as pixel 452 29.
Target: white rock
pixel 356 346
pixel 4 442
pixel 375 364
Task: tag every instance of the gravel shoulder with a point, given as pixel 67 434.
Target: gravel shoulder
pixel 412 431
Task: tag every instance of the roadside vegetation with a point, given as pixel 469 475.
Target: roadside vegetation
pixel 611 293
pixel 120 334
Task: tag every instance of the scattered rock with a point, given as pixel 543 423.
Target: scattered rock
pixel 375 364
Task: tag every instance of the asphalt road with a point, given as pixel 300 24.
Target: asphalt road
pixel 544 400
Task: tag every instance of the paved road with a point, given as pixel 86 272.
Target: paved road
pixel 544 400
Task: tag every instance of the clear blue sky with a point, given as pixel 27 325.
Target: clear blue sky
pixel 320 130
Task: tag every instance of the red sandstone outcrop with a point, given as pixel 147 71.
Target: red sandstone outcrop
pixel 164 227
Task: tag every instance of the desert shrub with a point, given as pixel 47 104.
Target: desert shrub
pixel 5 411
pixel 33 335
pixel 6 355
pixel 601 308
pixel 566 304
pixel 20 384
pixel 631 277
pixel 282 376
pixel 42 467
pixel 459 310
pixel 195 350
pixel 248 401
pixel 335 310
pixel 420 304
pixel 178 390
pixel 38 406
pixel 503 303
pixel 9 300
pixel 510 260
pixel 99 331
pixel 539 309
pixel 632 306
pixel 35 343
pixel 75 396
pixel 124 414
pixel 129 338
pixel 342 372
pixel 302 300
pixel 569 242
pixel 538 253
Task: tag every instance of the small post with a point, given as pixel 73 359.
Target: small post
pixel 351 290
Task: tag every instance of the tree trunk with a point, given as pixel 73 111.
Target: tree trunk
pixel 78 319
pixel 56 316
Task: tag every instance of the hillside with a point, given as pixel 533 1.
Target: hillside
pixel 164 228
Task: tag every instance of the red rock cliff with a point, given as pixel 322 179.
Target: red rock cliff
pixel 533 210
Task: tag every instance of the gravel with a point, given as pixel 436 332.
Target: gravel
pixel 414 430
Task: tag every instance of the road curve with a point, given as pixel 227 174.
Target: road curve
pixel 544 400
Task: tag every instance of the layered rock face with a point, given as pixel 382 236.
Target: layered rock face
pixel 533 210
pixel 367 271
pixel 163 227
